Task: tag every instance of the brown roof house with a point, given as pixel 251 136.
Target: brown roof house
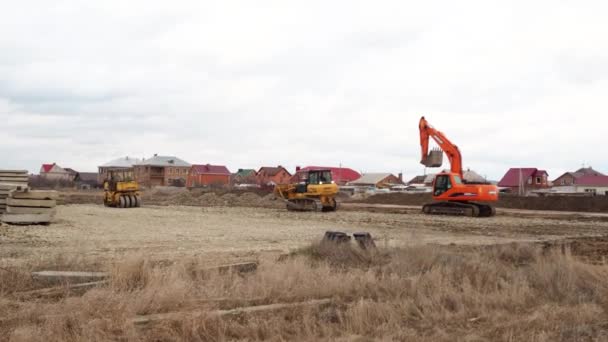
pixel 524 180
pixel 269 176
pixel 569 178
pixel 161 171
pixel 208 175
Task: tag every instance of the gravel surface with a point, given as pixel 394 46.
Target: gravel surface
pixel 221 234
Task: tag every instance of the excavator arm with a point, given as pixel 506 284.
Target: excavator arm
pixel 426 132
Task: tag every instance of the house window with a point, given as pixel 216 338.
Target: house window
pixel 563 182
pixel 538 179
pixel 530 180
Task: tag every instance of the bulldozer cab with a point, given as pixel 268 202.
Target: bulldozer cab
pixel 319 177
pixel 313 177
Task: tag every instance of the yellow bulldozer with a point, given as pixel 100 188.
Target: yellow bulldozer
pixel 315 191
pixel 120 190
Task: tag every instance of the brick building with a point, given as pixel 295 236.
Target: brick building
pixel 524 180
pixel 208 175
pixel 569 178
pixel 161 171
pixel 268 175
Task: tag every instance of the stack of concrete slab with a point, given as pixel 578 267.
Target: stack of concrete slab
pixel 30 207
pixel 11 180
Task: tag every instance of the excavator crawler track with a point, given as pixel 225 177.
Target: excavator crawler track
pixel 470 209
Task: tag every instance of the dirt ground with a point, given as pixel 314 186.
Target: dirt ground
pixel 226 234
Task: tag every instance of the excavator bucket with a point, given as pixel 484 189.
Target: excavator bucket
pixel 433 159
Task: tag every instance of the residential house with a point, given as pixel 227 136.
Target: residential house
pixel 244 176
pixel 87 180
pixel 524 180
pixel 594 184
pixel 340 175
pixel 569 178
pixel 377 180
pixel 161 171
pixel 208 175
pixel 119 164
pixel 268 175
pixel 53 172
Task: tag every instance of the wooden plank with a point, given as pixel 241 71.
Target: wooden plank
pixel 15 202
pixel 31 210
pixel 58 291
pixel 35 194
pixel 26 218
pixel 176 316
pixel 241 267
pixel 58 277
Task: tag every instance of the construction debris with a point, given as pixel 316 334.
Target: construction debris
pixel 11 180
pixel 58 291
pixel 24 206
pixel 63 277
pixel 364 239
pixel 177 316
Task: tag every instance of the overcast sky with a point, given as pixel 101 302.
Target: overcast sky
pixel 251 83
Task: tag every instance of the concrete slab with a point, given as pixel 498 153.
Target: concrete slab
pixel 35 194
pixel 13 171
pixel 15 202
pixel 26 218
pixel 13 179
pixel 30 210
pixel 13 186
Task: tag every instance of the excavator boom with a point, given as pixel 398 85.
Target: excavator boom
pixel 451 150
pixel 453 196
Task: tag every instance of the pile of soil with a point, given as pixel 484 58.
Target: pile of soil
pixel 559 203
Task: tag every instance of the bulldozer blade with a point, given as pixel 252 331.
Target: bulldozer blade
pixel 365 240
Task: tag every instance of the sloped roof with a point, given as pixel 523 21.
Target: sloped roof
pixel 472 177
pixel 87 176
pixel 164 161
pixel 338 174
pixel 512 177
pixel 245 172
pixel 417 180
pixel 591 180
pixel 272 170
pixel 70 171
pixel 371 178
pixel 209 169
pixel 588 171
pixel 121 162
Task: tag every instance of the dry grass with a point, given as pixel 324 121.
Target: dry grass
pixel 429 293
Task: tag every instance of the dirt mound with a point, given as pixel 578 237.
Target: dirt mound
pixel 559 203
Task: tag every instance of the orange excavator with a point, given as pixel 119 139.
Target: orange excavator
pixel 453 195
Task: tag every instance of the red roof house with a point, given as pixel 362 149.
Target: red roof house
pixel 54 172
pixel 207 174
pixel 340 175
pixel 522 180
